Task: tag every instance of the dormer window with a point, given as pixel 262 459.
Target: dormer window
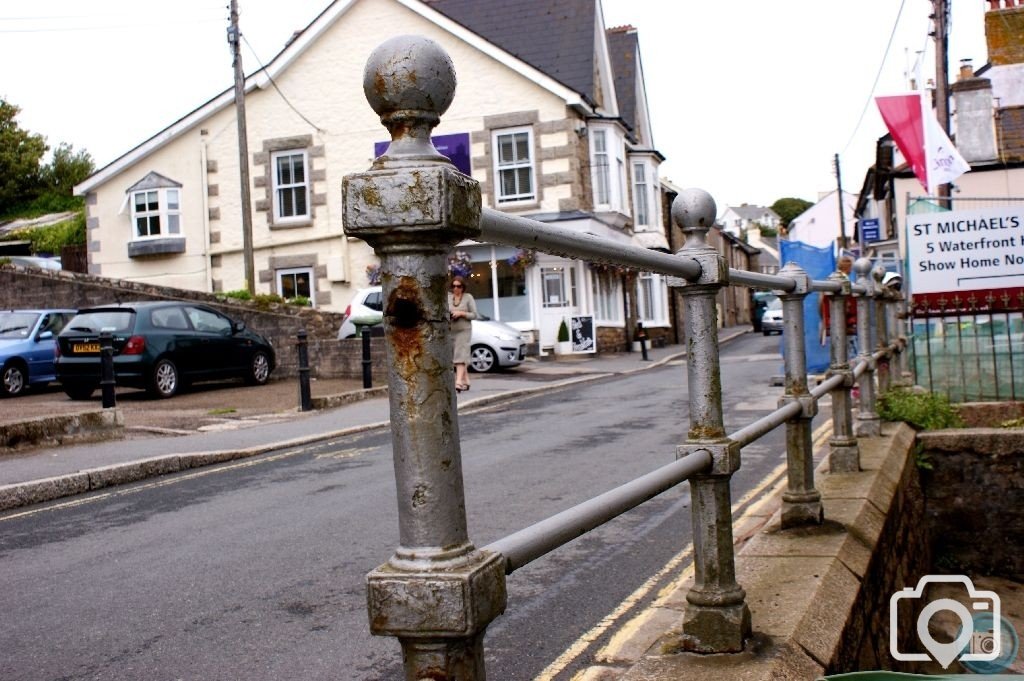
pixel 155 203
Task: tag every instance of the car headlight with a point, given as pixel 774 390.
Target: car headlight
pixel 509 337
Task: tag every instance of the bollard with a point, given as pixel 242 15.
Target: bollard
pixel 641 336
pixel 305 402
pixel 438 592
pixel 367 360
pixel 899 376
pixel 868 424
pixel 801 502
pixel 107 380
pixel 844 452
pixel 882 368
pixel 717 619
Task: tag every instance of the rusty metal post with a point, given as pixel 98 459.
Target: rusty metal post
pixel 717 619
pixel 868 424
pixel 801 502
pixel 882 368
pixel 107 380
pixel 844 452
pixel 438 592
pixel 302 345
pixel 897 333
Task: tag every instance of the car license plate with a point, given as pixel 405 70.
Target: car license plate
pixel 81 348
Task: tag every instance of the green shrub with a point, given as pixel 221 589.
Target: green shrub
pixel 240 294
pixel 51 238
pixel 563 332
pixel 265 300
pixel 1013 423
pixel 922 410
pixel 301 301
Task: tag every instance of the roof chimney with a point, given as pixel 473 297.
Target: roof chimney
pixel 1004 32
pixel 966 69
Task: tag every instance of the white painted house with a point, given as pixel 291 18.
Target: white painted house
pixel 819 225
pixel 550 116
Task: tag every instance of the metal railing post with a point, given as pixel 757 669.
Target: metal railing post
pixel 367 359
pixel 438 592
pixel 717 619
pixel 844 452
pixel 302 345
pixel 881 298
pixel 868 423
pixel 897 333
pixel 107 380
pixel 801 502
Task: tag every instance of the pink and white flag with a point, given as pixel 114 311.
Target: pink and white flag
pixel 921 139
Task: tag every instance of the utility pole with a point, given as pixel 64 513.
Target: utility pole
pixel 940 15
pixel 842 211
pixel 235 41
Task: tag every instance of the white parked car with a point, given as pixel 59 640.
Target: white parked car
pixel 494 345
pixel 771 320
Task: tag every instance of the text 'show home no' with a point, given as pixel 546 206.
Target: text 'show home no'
pixel 957 251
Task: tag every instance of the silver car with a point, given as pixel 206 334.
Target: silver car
pixel 771 320
pixel 493 346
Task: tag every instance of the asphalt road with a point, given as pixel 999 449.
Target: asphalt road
pixel 255 570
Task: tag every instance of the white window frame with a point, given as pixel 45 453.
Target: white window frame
pixel 651 299
pixel 608 174
pixel 293 271
pixel 566 277
pixel 514 165
pixel 641 202
pixel 606 288
pixel 168 218
pixel 278 188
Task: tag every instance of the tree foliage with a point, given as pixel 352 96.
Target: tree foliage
pixel 789 208
pixel 28 187
pixel 20 154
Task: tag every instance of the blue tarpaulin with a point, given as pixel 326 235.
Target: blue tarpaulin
pixel 819 263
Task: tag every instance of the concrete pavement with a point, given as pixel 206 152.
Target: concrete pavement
pixel 45 474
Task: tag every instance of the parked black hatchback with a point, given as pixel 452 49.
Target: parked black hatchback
pixel 160 346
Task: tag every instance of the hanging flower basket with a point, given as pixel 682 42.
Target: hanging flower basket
pixel 604 268
pixel 522 259
pixel 460 264
pixel 373 274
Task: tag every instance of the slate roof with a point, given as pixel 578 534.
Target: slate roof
pixel 752 213
pixel 554 36
pixel 622 46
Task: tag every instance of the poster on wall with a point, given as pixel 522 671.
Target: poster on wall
pixel 581 334
pixel 454 146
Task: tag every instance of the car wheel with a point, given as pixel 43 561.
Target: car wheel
pixel 766 332
pixel 483 359
pixel 79 392
pixel 259 368
pixel 14 379
pixel 165 381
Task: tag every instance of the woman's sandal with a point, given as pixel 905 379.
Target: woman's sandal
pixel 461 388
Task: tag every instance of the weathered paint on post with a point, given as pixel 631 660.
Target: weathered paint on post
pixel 882 368
pixel 844 452
pixel 717 619
pixel 438 592
pixel 801 502
pixel 868 424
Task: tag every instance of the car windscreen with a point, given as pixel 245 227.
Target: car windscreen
pixel 17 324
pixel 117 321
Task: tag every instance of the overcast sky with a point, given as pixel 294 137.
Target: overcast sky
pixel 749 99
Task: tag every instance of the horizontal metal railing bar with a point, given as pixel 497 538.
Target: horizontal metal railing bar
pixel 514 230
pixel 766 424
pixel 859 367
pixel 827 386
pixel 771 282
pixel 526 545
pixel 523 232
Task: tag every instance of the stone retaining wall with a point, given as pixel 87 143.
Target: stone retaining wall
pixel 974 499
pixel 280 323
pixel 84 426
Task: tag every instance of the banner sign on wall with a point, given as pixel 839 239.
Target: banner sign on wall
pixel 582 334
pixel 970 250
pixel 454 146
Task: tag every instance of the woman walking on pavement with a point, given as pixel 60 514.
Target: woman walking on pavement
pixel 463 310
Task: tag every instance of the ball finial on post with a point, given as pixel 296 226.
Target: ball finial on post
pixel 409 81
pixel 694 210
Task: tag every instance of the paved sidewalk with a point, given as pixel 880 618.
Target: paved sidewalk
pixel 47 473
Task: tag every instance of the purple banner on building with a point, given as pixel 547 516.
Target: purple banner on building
pixel 454 146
